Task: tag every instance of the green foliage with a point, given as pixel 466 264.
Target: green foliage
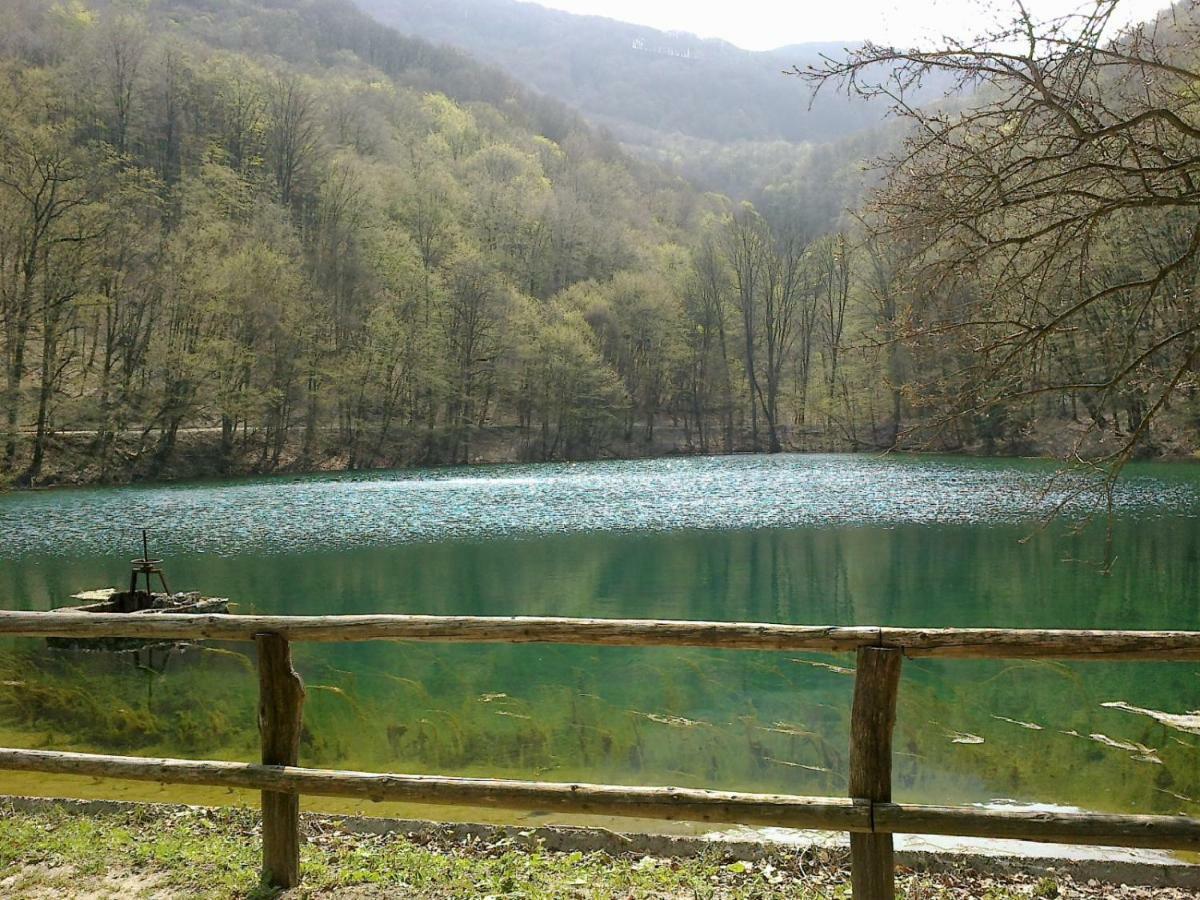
pixel 358 251
pixel 319 258
pixel 1047 887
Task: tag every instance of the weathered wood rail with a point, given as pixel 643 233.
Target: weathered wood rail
pixel 868 815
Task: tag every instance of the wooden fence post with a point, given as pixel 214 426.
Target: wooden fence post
pixel 280 712
pixel 876 684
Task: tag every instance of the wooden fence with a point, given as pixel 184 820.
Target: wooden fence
pixel 868 814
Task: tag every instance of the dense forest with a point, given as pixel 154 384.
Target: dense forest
pixel 262 235
pixel 250 236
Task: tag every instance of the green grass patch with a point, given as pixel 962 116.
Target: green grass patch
pixel 215 854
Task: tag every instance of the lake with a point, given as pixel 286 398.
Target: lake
pixel 836 539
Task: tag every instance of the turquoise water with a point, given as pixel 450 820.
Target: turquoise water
pixel 803 539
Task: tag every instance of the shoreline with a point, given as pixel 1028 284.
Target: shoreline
pixel 358 853
pixel 333 466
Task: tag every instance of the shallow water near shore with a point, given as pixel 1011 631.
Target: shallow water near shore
pixel 798 539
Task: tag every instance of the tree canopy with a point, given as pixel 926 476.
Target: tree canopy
pixel 245 236
pixel 257 236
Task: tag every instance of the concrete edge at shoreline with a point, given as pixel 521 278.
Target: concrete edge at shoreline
pixel 1040 860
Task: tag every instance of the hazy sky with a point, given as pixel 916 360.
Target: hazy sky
pixel 765 24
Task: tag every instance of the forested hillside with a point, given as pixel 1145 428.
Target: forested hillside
pixel 262 235
pixel 245 236
pixel 729 120
pixel 639 79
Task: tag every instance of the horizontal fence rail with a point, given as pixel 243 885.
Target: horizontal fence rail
pixel 869 815
pixel 960 643
pixel 669 803
pixel 672 803
pixel 1095 829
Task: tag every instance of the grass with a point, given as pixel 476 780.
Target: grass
pixel 160 852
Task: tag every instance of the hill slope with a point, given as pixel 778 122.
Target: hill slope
pixel 635 79
pixel 282 236
pixel 283 232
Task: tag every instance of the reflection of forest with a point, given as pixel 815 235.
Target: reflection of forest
pixel 1011 576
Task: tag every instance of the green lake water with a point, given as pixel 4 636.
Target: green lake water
pixel 797 539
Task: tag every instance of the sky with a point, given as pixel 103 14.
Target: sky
pixel 766 24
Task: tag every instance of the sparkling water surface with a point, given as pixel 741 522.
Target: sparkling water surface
pixel 381 509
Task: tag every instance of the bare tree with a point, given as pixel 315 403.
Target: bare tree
pixel 122 48
pixel 785 301
pixel 833 280
pixel 744 246
pixel 881 287
pixel 1016 198
pixel 706 297
pixel 292 134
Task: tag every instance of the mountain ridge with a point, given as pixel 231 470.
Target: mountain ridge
pixel 634 76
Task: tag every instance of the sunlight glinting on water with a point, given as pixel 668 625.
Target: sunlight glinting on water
pixel 378 509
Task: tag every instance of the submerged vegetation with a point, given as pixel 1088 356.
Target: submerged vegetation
pixel 1103 736
pixel 115 700
pixel 429 709
pixel 269 235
